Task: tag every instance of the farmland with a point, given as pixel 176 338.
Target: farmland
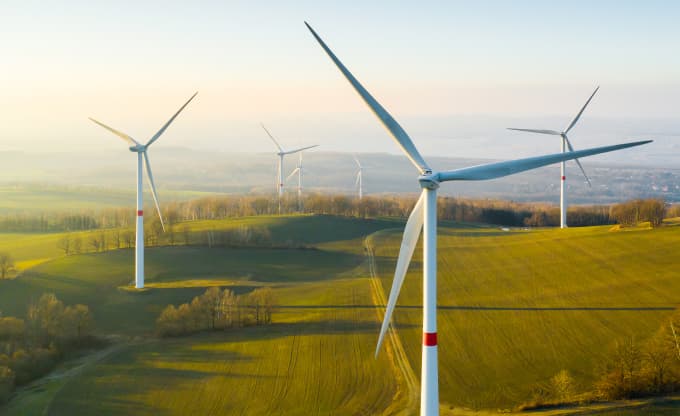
pixel 515 308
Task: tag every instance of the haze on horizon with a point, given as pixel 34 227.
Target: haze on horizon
pixel 453 73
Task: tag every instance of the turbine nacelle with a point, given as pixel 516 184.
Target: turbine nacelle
pixel 139 148
pixel 429 180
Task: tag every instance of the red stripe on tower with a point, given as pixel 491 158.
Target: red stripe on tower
pixel 140 213
pixel 429 339
pixel 564 178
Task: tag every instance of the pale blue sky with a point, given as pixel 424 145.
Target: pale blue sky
pixel 131 63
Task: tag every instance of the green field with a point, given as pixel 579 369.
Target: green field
pixel 514 309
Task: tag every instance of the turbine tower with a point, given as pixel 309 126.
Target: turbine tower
pixel 565 143
pixel 300 171
pixel 281 153
pixel 424 215
pixel 141 150
pixel 359 182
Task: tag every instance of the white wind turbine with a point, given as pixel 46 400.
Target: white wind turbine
pixel 425 214
pixel 299 170
pixel 565 143
pixel 141 149
pixel 359 182
pixel 281 153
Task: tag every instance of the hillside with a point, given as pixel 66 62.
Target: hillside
pixel 515 307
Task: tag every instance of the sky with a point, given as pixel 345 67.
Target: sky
pixel 454 74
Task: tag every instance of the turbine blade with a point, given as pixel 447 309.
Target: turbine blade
pixel 500 169
pixel 296 170
pixel 553 132
pixel 581 112
pixel 290 152
pixel 122 135
pixel 153 189
pixel 387 120
pixel 357 161
pixel 356 183
pixel 165 126
pixel 578 162
pixel 408 245
pixel 272 137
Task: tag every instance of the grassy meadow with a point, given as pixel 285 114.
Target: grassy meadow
pixel 515 308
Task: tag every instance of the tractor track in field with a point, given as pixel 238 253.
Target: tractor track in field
pixel 395 349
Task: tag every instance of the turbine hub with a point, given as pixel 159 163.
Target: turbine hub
pixel 429 180
pixel 138 148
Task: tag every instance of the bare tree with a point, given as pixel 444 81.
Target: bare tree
pixel 64 244
pixel 77 244
pixel 129 238
pixel 186 234
pixel 170 232
pixel 6 265
pixel 95 243
pixel 117 238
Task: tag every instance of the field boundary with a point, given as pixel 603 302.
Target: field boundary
pixel 405 374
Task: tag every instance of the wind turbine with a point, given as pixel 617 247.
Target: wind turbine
pixel 565 143
pixel 300 171
pixel 141 149
pixel 424 215
pixel 359 182
pixel 281 153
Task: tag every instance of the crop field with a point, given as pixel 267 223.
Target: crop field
pixel 307 362
pixel 517 307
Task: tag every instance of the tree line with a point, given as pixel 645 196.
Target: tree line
pixel 641 368
pixel 506 213
pixel 31 347
pixel 217 309
pixel 632 368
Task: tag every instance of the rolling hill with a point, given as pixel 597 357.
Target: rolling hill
pixel 515 307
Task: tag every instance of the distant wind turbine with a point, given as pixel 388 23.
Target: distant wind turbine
pixel 425 215
pixel 281 153
pixel 300 171
pixel 141 150
pixel 359 182
pixel 565 143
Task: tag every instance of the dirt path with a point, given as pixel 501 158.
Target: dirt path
pixel 39 394
pixel 395 349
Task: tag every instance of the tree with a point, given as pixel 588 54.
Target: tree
pixel 77 321
pixel 186 234
pixel 103 243
pixel 117 238
pixel 652 210
pixel 6 383
pixel 267 298
pixel 562 385
pixel 6 265
pixel 657 358
pixel 170 231
pixel 129 238
pixel 168 323
pixel 64 244
pixel 77 244
pixel 212 301
pixel 228 307
pixel 44 319
pixel 95 243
